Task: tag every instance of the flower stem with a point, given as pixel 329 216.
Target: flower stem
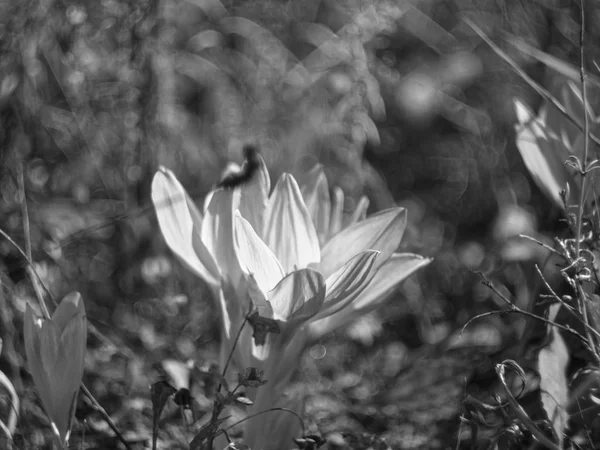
pixel 235 341
pixel 584 172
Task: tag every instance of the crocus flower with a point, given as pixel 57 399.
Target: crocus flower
pixel 55 350
pixel 329 220
pixel 305 278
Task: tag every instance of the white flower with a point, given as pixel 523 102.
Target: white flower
pixel 307 277
pixel 329 221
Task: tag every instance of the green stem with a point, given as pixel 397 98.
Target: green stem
pixel 584 172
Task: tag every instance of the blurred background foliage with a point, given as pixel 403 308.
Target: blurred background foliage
pixel 400 100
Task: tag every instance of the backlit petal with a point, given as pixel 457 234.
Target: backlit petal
pixel 180 222
pixel 217 233
pixel 398 267
pixel 337 212
pixel 359 213
pixel 254 196
pixel 298 296
pixel 68 370
pixel 347 283
pixel 69 307
pixel 544 155
pixel 74 341
pixel 31 332
pixel 382 231
pixel 259 298
pixel 255 257
pixel 315 192
pixel 289 230
pixel 54 363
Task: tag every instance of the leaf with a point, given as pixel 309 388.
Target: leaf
pixel 159 393
pixel 262 326
pixel 552 365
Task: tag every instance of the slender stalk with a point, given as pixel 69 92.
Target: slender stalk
pixel 584 178
pixel 27 237
pixel 24 212
pixel 584 162
pixel 235 341
pixel 266 411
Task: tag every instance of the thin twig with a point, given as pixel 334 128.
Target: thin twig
pixel 584 172
pixel 546 246
pixel 27 237
pixel 24 212
pixel 98 407
pixel 266 411
pixel 515 309
pixel 567 306
pixel 521 414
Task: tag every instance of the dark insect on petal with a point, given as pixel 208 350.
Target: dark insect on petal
pixel 245 174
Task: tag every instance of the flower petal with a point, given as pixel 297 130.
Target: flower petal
pixel 31 332
pixel 55 364
pixel 68 371
pixel 289 230
pixel 180 221
pixel 315 192
pixel 385 281
pixel 544 156
pixel 359 213
pixel 74 341
pixel 337 213
pixel 255 257
pixel 298 296
pixel 259 298
pixel 382 231
pixel 348 282
pixel 69 307
pixel 254 196
pixel 217 233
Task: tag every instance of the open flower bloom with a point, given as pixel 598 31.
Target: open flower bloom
pixel 55 350
pixel 297 265
pixel 547 140
pixel 329 221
